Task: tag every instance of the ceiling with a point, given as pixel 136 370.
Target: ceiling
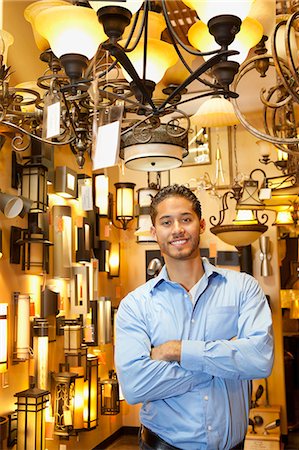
pixel 26 66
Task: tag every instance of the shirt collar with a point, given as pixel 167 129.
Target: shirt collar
pixel 209 270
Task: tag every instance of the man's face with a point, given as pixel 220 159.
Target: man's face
pixel 177 228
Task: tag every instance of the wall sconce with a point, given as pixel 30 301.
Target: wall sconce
pixel 64 394
pixel 62 238
pixel 49 309
pixel 91 393
pixel 102 253
pixel 144 223
pixel 79 290
pixel 110 404
pixel 3 338
pixel 124 204
pixel 154 267
pixel 31 405
pixel 21 327
pixel 114 260
pixel 65 182
pixel 32 178
pixel 101 193
pixel 265 151
pixel 40 352
pixel 34 245
pixel 99 326
pixel 83 248
pixel 10 205
pixel 78 400
pixel 1 251
pixel 3 431
pixel 72 336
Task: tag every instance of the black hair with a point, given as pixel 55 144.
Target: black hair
pixel 174 190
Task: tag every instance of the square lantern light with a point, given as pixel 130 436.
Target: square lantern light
pixel 110 404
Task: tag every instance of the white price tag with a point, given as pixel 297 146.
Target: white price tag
pixel 53 120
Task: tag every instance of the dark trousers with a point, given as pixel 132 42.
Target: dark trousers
pixel 151 441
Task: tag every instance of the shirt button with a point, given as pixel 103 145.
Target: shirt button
pixel 209 428
pixel 192 321
pixel 206 397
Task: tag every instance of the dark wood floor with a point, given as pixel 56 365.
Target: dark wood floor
pixel 127 442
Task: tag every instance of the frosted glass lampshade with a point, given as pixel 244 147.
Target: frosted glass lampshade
pixel 131 5
pixel 239 235
pixel 156 24
pixel 32 11
pixel 284 218
pixel 245 217
pixel 251 32
pixel 207 9
pixel 265 148
pixel 215 112
pixel 71 30
pixel 160 56
pixel 6 40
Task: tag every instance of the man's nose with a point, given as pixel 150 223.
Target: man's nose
pixel 177 227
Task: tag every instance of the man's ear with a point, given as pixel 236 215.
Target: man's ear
pixel 202 225
pixel 153 231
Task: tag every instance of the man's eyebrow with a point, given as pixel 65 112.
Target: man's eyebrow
pixel 167 216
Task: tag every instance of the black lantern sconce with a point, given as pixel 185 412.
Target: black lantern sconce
pixel 74 352
pixel 31 246
pixel 124 204
pixel 110 404
pixel 31 405
pixel 32 178
pixel 64 394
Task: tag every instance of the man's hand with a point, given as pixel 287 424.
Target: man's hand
pixel 169 351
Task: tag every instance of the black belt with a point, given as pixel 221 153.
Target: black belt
pixel 154 441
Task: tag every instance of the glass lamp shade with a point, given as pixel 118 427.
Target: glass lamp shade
pixel 40 351
pixel 131 5
pixel 124 201
pixel 208 9
pixel 32 11
pixel 3 337
pixel 156 24
pixel 6 40
pixel 215 112
pixel 245 217
pixel 91 393
pixel 160 56
pixel 101 187
pixel 239 235
pixel 284 218
pixel 114 260
pixel 71 30
pixel 265 148
pixel 249 35
pixel 21 327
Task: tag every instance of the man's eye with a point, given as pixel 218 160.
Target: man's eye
pixel 166 222
pixel 186 220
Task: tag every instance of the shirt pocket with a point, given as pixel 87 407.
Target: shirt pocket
pixel 222 323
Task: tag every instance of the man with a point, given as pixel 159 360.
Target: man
pixel 189 341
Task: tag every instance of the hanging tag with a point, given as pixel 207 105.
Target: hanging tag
pixel 51 119
pixel 86 198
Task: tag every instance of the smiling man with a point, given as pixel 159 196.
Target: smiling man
pixel 189 341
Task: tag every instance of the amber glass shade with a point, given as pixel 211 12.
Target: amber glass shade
pixel 207 9
pixel 156 24
pixel 71 30
pixel 6 40
pixel 250 34
pixel 32 11
pixel 160 56
pixel 215 112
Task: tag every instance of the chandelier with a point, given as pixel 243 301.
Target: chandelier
pixel 100 54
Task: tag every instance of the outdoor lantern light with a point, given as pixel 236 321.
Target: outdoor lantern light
pixel 78 401
pixel 144 222
pixel 64 393
pixel 40 352
pixel 34 245
pixel 72 336
pixel 34 185
pixel 109 397
pixel 91 393
pixel 114 260
pixel 83 248
pixel 21 326
pixel 124 204
pixel 62 238
pixel 3 337
pixel 31 405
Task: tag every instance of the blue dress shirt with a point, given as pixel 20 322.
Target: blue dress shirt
pixel 201 403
